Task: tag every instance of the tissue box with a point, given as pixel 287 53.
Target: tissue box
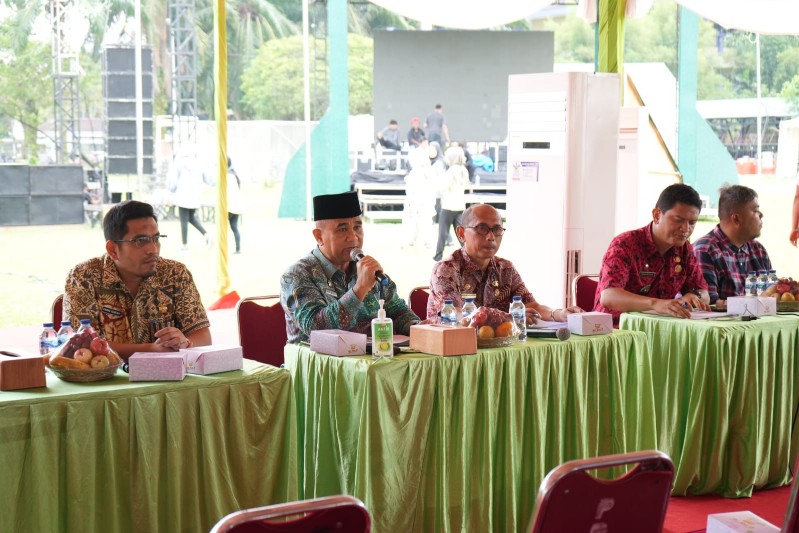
pixel 739 522
pixel 443 340
pixel 591 323
pixel 156 366
pixel 21 370
pixel 752 305
pixel 212 359
pixel 338 342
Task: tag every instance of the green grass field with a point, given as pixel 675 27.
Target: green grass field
pixel 36 259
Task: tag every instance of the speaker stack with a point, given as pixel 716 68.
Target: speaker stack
pixel 119 97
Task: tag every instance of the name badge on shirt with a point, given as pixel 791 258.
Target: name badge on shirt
pixel 645 274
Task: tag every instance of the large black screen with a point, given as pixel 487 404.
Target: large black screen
pixel 464 71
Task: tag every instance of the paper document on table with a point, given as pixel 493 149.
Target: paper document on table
pixel 546 324
pixel 695 315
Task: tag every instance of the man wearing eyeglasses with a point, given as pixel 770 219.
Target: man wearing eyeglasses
pixel 475 269
pixel 137 300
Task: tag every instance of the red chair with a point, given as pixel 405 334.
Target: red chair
pixel 262 329
pixel 417 300
pixel 570 499
pixel 584 291
pixel 331 513
pixel 56 310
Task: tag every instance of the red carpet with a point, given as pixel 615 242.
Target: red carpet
pixel 689 514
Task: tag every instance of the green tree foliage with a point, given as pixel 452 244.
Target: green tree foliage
pixel 273 83
pixel 26 87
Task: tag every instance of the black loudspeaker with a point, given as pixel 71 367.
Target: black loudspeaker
pixel 119 97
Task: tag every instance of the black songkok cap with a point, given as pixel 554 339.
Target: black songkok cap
pixel 332 206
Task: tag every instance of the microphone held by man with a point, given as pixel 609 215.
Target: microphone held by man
pixel 356 254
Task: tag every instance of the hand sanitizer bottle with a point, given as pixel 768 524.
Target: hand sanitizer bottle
pixel 382 334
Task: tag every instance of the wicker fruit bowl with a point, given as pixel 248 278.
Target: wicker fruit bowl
pixel 85 357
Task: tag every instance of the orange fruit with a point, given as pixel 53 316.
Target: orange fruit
pixel 505 329
pixel 485 332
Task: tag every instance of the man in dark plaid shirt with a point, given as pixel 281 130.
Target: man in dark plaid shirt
pixel 729 251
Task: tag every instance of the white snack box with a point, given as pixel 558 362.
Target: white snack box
pixel 739 522
pixel 338 342
pixel 590 323
pixel 752 305
pixel 212 359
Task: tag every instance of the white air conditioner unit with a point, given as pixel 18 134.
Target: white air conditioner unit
pixel 563 131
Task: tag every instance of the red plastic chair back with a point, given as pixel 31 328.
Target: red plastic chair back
pixel 584 291
pixel 56 311
pixel 262 329
pixel 570 499
pixel 417 301
pixel 328 514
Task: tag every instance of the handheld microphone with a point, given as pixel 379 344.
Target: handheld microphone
pixel 562 333
pixel 356 254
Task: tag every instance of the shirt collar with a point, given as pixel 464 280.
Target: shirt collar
pixel 110 274
pixel 472 266
pixel 329 268
pixel 724 240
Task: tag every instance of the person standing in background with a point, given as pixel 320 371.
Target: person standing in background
pixel 436 126
pixel 234 203
pixel 794 236
pixel 186 180
pixel 452 185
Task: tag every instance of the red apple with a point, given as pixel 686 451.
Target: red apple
pixel 99 346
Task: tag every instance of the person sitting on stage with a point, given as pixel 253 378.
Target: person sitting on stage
pixel 137 300
pixel 730 251
pixel 654 267
pixel 475 269
pixel 326 289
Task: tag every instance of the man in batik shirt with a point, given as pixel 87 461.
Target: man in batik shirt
pixel 654 267
pixel 327 289
pixel 475 269
pixel 137 300
pixel 730 251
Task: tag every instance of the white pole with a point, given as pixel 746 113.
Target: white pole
pixel 306 66
pixel 139 95
pixel 759 113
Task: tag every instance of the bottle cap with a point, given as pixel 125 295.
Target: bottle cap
pixel 447 302
pixel 381 313
pixel 47 325
pixel 66 323
pixel 85 321
pixel 517 298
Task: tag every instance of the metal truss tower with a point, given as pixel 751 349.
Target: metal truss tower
pixel 183 51
pixel 66 70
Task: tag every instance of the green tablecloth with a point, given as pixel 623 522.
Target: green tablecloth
pixel 726 399
pixel 462 443
pixel 170 456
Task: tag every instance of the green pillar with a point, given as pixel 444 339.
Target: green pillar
pixel 703 161
pixel 330 168
pixel 610 53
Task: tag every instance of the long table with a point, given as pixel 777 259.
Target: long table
pixel 435 443
pixel 726 397
pixel 170 456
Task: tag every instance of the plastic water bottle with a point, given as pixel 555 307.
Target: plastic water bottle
pixel 750 285
pixel 85 323
pixel 772 278
pixel 65 333
pixel 519 314
pixel 449 316
pixel 48 340
pixel 468 305
pixel 762 280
